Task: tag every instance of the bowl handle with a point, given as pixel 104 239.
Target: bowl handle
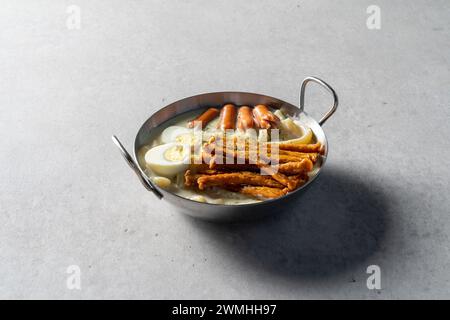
pixel 328 88
pixel 133 165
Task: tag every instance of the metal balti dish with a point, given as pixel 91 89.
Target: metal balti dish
pixel 221 212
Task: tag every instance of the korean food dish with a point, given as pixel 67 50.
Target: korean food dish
pixel 232 154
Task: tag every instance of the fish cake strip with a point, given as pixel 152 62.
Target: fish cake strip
pixel 293 168
pixel 255 156
pixel 263 192
pixel 190 178
pixel 298 180
pixel 265 158
pixel 316 147
pixel 281 158
pixel 237 178
pixel 204 168
pixel 287 148
pixel 291 184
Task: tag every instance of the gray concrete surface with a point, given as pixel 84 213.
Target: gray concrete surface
pixel 68 198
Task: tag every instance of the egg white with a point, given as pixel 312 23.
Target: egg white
pixel 175 134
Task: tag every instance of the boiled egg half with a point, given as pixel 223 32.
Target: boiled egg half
pixel 177 134
pixel 168 159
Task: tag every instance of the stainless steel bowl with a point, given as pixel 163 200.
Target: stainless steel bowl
pixel 218 212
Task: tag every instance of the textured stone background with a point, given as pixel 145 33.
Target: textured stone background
pixel 67 197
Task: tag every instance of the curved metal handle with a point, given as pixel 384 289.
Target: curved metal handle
pixel 133 165
pixel 328 88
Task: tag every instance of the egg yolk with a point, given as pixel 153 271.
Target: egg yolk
pixel 185 138
pixel 174 153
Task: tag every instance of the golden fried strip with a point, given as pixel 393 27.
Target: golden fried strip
pixel 291 184
pixel 281 158
pixel 299 147
pixel 263 192
pixel 252 157
pixel 292 168
pixel 299 154
pixel 190 178
pixel 298 180
pixel 204 168
pixel 241 158
pixel 283 148
pixel 294 147
pixel 237 178
pixel 316 147
pixel 191 175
